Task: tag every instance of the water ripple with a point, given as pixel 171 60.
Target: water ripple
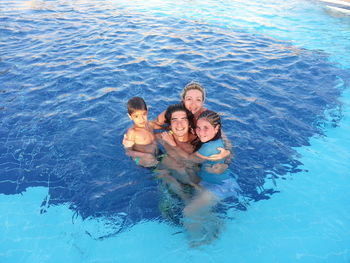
pixel 67 73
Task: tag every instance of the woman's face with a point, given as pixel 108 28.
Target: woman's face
pixel 193 100
pixel 205 130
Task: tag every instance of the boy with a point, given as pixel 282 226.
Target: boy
pixel 139 140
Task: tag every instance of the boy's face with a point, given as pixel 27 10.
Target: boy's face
pixel 179 123
pixel 139 117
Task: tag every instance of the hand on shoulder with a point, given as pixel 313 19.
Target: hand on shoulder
pixel 168 138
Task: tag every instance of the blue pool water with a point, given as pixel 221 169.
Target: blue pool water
pixel 278 73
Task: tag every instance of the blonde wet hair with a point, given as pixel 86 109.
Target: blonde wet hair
pixel 190 86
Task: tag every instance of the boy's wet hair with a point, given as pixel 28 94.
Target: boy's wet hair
pixel 179 107
pixel 190 86
pixel 136 103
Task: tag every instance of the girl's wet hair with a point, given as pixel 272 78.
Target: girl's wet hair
pixel 179 107
pixel 211 116
pixel 214 119
pixel 136 103
pixel 190 86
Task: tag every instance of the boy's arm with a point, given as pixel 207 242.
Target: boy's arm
pixel 168 139
pixel 195 157
pixel 217 168
pixel 141 158
pixel 129 138
pixel 223 153
pixel 127 142
pixel 192 157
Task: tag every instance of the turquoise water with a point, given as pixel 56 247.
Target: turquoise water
pixel 307 221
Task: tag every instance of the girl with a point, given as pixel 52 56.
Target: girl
pixel 199 220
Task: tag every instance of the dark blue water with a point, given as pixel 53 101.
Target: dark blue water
pixel 66 75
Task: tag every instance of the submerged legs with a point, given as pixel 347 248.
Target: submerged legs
pixel 200 222
pixel 173 185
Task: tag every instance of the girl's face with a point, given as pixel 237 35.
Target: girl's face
pixel 205 130
pixel 193 100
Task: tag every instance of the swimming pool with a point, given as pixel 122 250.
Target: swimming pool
pixel 277 72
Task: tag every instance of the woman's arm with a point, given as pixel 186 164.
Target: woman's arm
pixel 159 121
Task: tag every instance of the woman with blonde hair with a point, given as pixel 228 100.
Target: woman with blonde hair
pixel 192 97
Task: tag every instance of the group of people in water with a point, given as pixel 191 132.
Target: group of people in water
pixel 193 156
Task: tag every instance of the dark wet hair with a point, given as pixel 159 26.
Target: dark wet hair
pixel 136 103
pixel 214 119
pixel 179 107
